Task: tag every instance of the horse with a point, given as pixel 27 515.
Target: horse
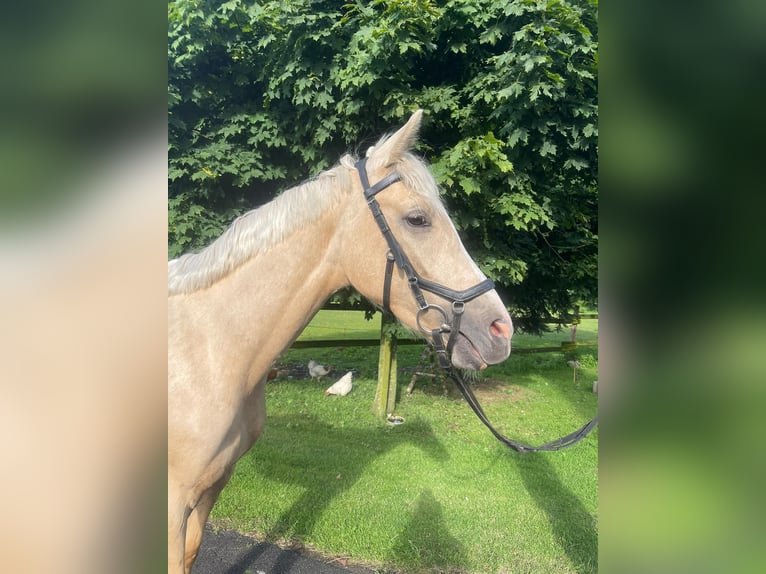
pixel 236 305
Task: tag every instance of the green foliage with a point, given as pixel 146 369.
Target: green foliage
pixel 263 95
pixel 192 224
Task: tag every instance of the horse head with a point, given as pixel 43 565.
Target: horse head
pixel 404 253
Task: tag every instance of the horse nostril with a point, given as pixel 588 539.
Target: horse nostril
pixel 500 328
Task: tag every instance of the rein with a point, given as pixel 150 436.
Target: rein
pixel 418 284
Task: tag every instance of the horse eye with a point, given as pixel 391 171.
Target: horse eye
pixel 418 220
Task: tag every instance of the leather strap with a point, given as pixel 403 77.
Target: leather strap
pixel 558 444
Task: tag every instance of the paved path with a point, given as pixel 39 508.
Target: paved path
pixel 228 552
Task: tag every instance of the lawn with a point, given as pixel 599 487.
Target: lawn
pixel 437 493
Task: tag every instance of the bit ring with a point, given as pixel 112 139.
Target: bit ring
pixel 424 311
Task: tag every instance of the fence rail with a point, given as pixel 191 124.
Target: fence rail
pixel 369 342
pixel 325 343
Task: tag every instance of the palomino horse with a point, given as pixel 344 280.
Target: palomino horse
pixel 237 305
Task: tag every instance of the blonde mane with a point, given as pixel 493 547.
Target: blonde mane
pixel 272 223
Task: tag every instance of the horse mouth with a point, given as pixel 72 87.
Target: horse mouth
pixel 466 355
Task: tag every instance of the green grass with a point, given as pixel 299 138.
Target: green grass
pixel 340 325
pixel 437 493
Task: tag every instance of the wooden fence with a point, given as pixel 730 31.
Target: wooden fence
pixel 325 343
pixel 385 394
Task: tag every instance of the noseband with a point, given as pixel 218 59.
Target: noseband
pixel 418 284
pixel 396 255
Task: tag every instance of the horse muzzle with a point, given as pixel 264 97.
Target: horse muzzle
pixel 481 343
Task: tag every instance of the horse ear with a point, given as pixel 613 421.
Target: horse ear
pixel 398 144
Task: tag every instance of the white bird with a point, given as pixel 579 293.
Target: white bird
pixel 316 370
pixel 342 386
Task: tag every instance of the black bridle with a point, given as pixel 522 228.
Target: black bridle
pixel 418 284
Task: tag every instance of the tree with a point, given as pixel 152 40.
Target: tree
pixel 263 95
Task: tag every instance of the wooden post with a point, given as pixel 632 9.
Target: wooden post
pixel 567 346
pixel 385 395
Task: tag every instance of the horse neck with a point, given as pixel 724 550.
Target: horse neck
pixel 262 307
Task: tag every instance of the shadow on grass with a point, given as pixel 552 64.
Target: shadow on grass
pixel 425 542
pixel 572 525
pixel 325 442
